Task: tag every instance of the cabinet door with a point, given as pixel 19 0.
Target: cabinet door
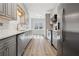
pixel 14 11
pixel 8 46
pixel 1 52
pixel 12 46
pixel 12 50
pixel 4 51
pixel 2 9
pixel 8 10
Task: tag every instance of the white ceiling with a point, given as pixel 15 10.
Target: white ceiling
pixel 38 10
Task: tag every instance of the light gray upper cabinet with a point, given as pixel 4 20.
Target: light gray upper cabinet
pixel 2 9
pixel 11 10
pixel 8 10
pixel 14 11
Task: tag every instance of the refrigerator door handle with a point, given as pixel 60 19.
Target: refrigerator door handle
pixel 63 36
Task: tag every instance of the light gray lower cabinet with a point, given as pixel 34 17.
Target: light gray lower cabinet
pixel 12 50
pixel 4 52
pixel 8 46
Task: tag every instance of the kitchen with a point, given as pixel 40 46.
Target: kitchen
pixel 52 28
pixel 14 31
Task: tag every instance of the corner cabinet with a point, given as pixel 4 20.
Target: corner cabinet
pixel 8 10
pixel 8 46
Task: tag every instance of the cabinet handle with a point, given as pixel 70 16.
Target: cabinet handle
pixel 7 49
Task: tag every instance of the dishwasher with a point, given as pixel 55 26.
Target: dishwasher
pixel 22 42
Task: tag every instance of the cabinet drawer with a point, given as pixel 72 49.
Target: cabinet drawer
pixel 7 42
pixel 8 50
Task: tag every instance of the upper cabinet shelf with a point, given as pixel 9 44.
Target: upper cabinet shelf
pixel 8 10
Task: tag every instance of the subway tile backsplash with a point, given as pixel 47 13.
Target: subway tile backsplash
pixel 7 25
pixel 3 25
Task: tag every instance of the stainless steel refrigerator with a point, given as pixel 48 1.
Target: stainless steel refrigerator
pixel 68 17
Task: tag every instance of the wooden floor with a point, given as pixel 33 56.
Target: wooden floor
pixel 39 47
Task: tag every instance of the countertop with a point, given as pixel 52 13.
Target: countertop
pixel 8 33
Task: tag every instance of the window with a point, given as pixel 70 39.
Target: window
pixel 38 26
